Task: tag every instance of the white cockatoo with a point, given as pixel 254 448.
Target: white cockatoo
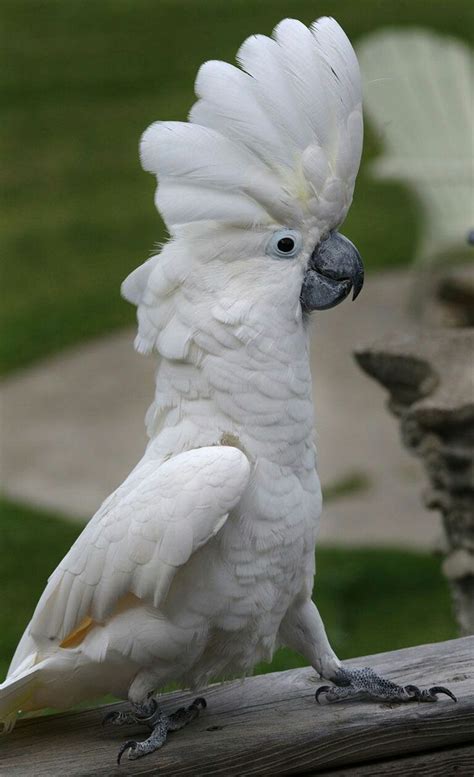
pixel 201 563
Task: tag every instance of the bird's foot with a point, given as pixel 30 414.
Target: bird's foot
pixel 160 724
pixel 352 684
pixel 142 714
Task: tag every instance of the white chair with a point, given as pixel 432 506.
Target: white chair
pixel 418 96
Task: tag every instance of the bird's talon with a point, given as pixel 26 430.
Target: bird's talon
pixel 200 702
pixel 323 689
pixel 441 689
pixel 429 694
pixel 351 684
pixel 132 746
pixel 111 717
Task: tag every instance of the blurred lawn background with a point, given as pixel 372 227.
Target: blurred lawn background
pixel 80 81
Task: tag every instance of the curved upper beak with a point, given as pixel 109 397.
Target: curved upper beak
pixel 334 268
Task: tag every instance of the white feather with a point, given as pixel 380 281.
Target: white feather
pixel 239 160
pixel 263 59
pixel 229 103
pixel 171 501
pixel 180 203
pixel 188 571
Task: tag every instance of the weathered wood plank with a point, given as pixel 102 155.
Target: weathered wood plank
pixel 458 762
pixel 266 725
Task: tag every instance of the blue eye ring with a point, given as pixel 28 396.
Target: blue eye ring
pixel 284 244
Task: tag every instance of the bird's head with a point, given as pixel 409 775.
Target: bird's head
pixel 253 190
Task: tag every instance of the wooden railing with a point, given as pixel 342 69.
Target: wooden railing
pixel 271 725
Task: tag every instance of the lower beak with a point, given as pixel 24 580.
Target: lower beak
pixel 334 268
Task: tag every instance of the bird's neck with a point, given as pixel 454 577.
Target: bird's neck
pixel 250 391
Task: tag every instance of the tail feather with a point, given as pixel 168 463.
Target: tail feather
pixel 16 691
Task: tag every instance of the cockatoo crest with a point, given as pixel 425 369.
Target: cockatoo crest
pixel 275 143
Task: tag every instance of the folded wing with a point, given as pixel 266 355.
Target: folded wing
pixel 137 541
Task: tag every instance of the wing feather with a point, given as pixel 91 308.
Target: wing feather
pixel 137 544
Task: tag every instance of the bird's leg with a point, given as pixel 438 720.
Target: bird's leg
pixel 160 725
pixel 353 684
pixel 302 629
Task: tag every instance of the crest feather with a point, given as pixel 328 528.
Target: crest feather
pixel 264 141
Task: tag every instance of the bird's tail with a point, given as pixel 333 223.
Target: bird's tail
pixel 16 691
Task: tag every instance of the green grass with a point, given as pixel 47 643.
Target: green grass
pixel 370 600
pixel 373 600
pixel 355 482
pixel 79 82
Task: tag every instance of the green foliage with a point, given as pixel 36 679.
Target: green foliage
pixel 377 599
pixel 370 600
pixel 31 545
pixel 355 482
pixel 79 82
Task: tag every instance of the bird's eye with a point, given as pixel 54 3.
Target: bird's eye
pixel 284 244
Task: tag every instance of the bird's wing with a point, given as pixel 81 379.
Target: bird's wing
pixel 278 140
pixel 136 542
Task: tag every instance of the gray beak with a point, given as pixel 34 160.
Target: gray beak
pixel 334 268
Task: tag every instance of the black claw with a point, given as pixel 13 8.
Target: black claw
pixel 323 689
pixel 440 689
pixel 131 745
pixel 199 702
pixel 110 717
pixel 428 695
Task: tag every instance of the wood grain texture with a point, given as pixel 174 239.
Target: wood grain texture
pixel 451 762
pixel 268 725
